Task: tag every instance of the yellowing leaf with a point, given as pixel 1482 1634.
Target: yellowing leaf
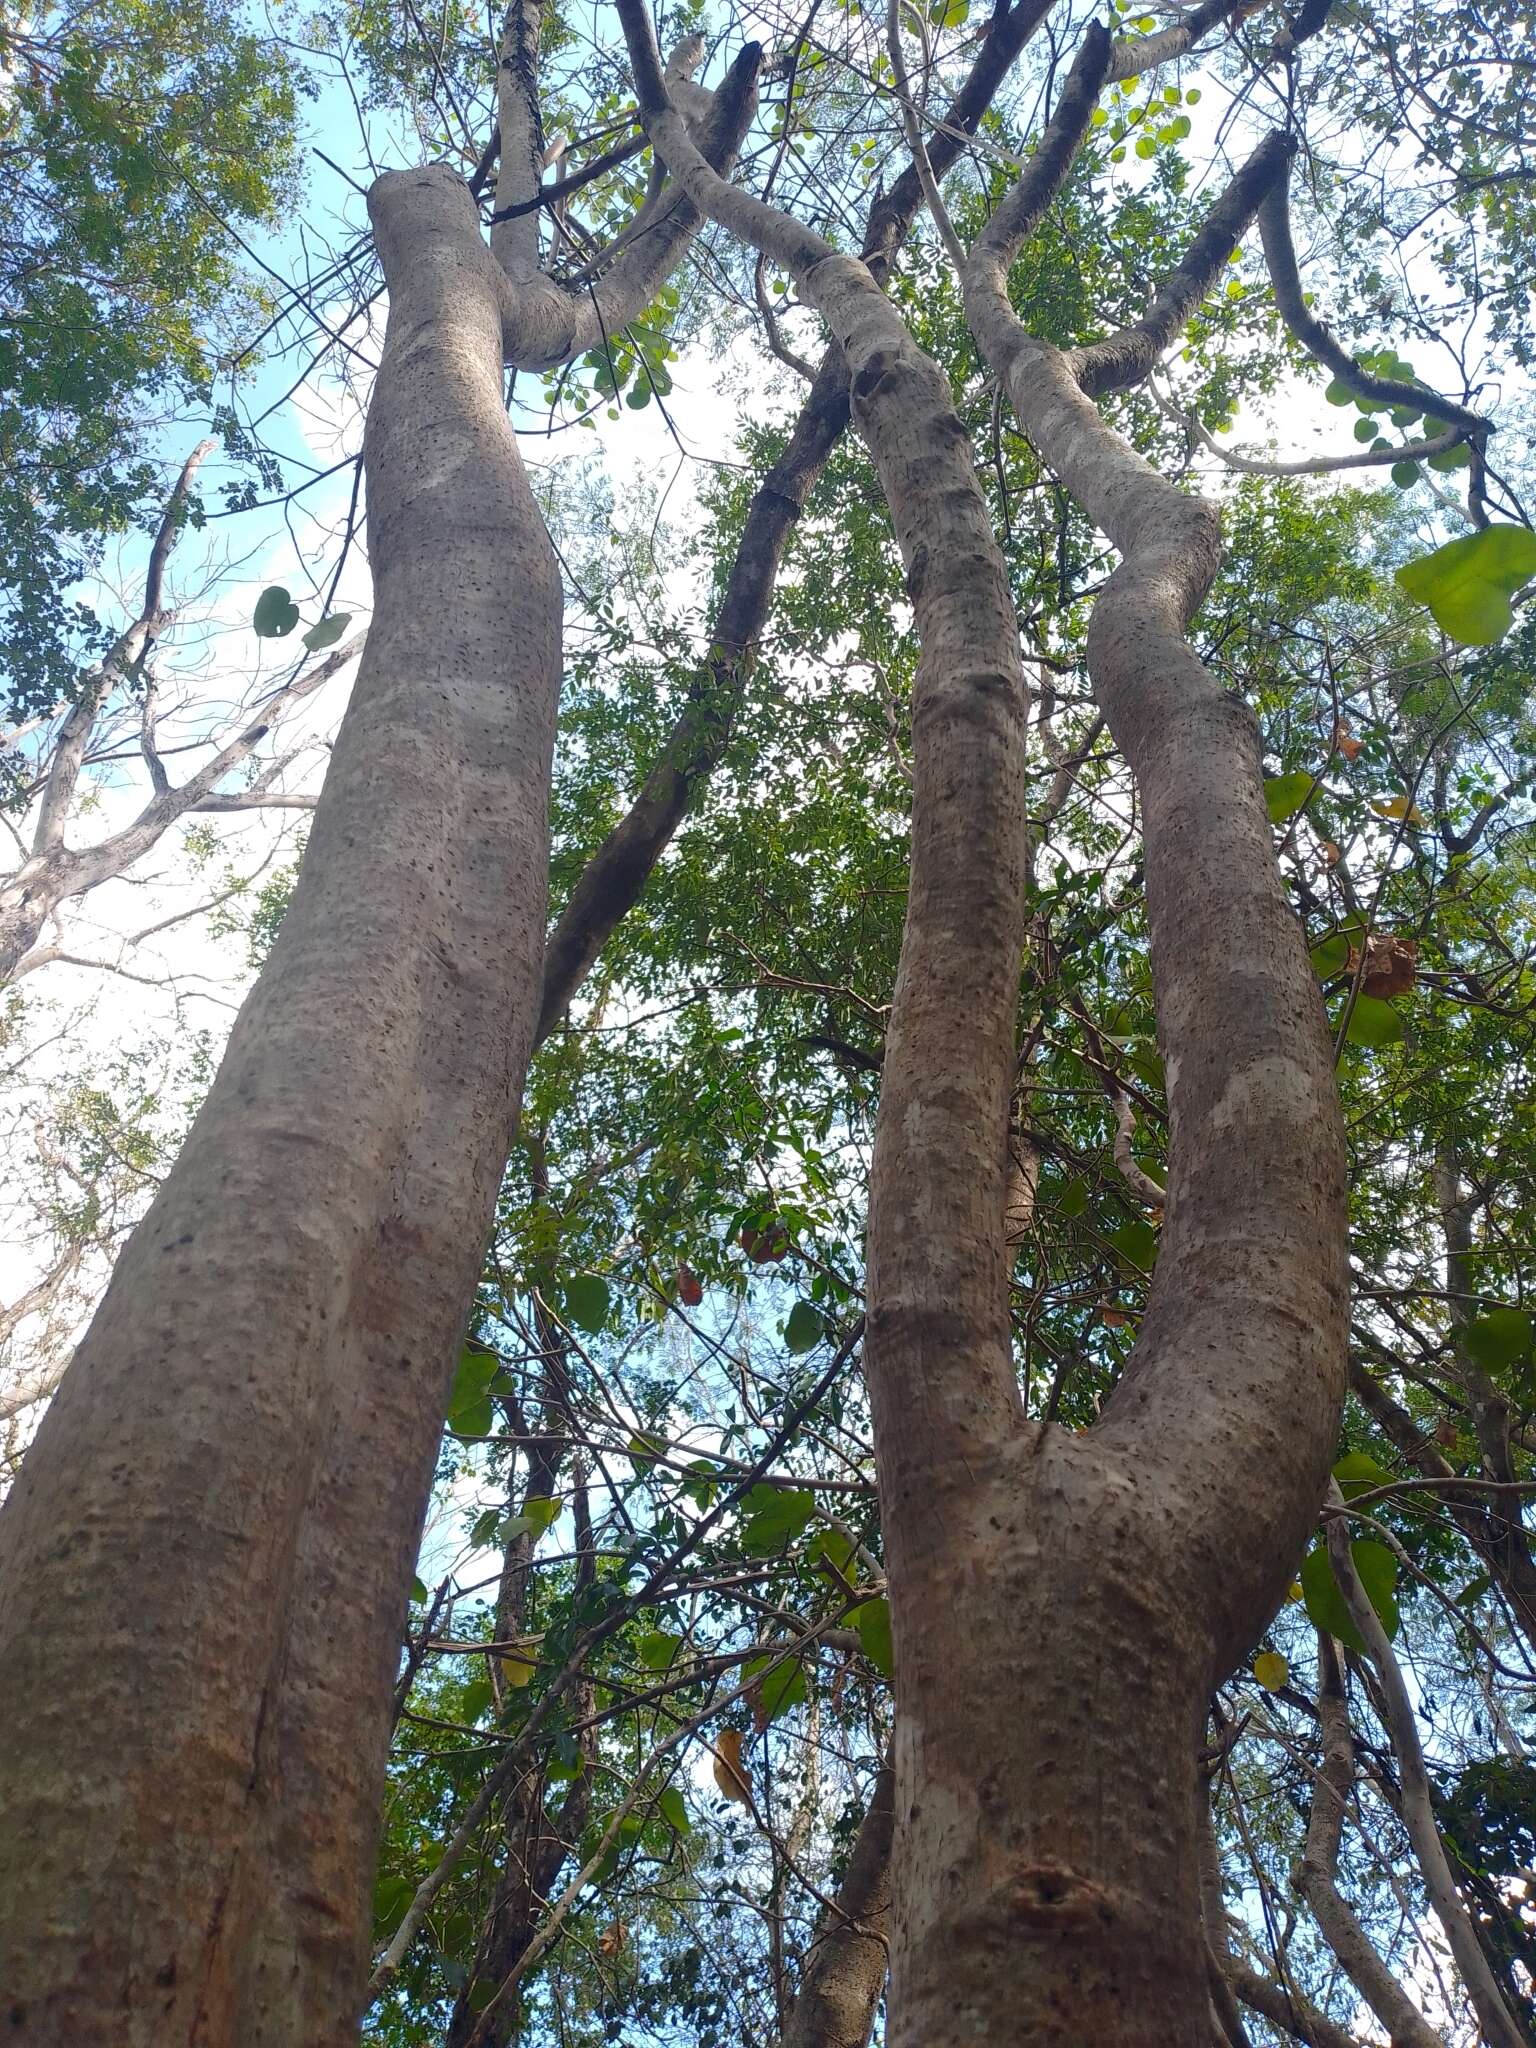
pixel 1284 795
pixel 518 1667
pixel 730 1774
pixel 1397 807
pixel 1271 1670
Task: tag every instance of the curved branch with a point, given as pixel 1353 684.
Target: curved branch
pixel 1280 254
pixel 1252 1265
pixel 1500 2028
pixel 1315 465
pixel 1316 1874
pixel 612 881
pixel 1126 357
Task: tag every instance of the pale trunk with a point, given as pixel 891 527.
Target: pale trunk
pixel 203 1562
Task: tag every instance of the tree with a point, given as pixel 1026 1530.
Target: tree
pixel 123 691
pixel 332 1200
pixel 137 140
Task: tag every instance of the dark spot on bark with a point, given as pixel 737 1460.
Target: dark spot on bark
pixel 918 572
pixel 166 1974
pixel 17 2015
pixel 879 366
pixel 1047 1896
pixel 176 1243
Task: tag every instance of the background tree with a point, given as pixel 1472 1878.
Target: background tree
pixel 138 143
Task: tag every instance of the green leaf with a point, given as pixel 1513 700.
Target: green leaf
pixel 276 614
pixel 1358 1472
pixel 1329 955
pixel 419 1592
pixel 1284 795
pixel 673 1810
pixel 540 1514
pixel 1339 393
pixel 836 1548
pixel 1376 1569
pixel 872 1619
pixel 470 1412
pixel 781 1685
pixel 1136 1242
pixel 657 1649
pixel 477 1420
pixel 477 1699
pixel 1374 1023
pixel 1500 1338
pixel 1074 1198
pixel 1145 147
pixel 587 1301
pixel 1405 475
pixel 391 1896
pixel 775 1516
pixel 1468 583
pixel 1451 458
pixel 327 632
pixel 805 1327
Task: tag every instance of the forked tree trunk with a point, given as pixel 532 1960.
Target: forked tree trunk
pixel 1061 1605
pixel 203 1562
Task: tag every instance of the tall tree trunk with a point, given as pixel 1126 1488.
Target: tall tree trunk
pixel 245 1438
pixel 1046 1886
pixel 203 1562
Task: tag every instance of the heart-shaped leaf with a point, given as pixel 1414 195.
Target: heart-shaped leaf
pixel 1468 583
pixel 1284 795
pixel 276 614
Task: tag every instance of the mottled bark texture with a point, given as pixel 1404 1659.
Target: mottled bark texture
pixel 1047 1886
pixel 204 1563
pixel 1045 1873
pixel 211 1539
